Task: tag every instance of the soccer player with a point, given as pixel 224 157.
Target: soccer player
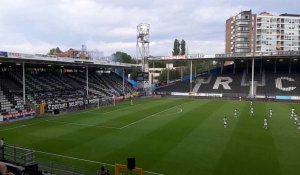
pixel 270 113
pixel 292 112
pixel 251 111
pixel 235 113
pixel 295 118
pixel 266 123
pixel 298 127
pixel 131 100
pixel 225 122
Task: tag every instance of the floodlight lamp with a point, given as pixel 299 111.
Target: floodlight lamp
pixel 143 29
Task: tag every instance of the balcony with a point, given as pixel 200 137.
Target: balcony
pixel 242 23
pixel 242 47
pixel 242 34
pixel 258 19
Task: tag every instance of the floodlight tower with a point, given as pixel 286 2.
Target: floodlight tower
pixel 142 45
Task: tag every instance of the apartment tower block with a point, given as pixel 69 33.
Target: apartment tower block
pixel 263 33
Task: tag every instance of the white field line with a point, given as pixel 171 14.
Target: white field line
pixel 86 160
pixel 54 120
pixel 7 129
pixel 21 126
pixel 82 124
pixel 69 123
pixel 126 108
pixel 150 116
pixel 92 111
pixel 87 111
pixel 164 115
pixel 63 117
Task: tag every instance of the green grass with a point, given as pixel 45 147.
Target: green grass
pixel 171 136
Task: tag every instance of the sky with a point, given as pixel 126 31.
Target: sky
pixel 36 26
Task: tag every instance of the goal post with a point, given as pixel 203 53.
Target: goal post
pixel 121 169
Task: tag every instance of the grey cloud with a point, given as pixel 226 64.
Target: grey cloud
pixel 35 26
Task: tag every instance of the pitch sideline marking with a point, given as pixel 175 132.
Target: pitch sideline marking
pixel 150 116
pixel 7 129
pixel 82 124
pixel 58 118
pixel 21 126
pixel 179 111
pixel 92 111
pixel 86 160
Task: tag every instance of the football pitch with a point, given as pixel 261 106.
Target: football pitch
pixel 170 136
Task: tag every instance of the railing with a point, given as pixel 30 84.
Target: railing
pixel 18 155
pixel 19 158
pixel 59 169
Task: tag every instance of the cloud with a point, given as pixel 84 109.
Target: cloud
pixel 27 47
pixel 36 26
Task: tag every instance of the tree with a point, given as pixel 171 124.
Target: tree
pixel 201 66
pixel 133 73
pixel 173 75
pixel 182 46
pixel 122 57
pixel 176 48
pixel 54 51
pixel 157 64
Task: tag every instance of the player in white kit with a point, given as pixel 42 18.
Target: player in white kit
pixel 292 112
pixel 295 118
pixel 266 123
pixel 235 113
pixel 251 111
pixel 225 122
pixel 270 113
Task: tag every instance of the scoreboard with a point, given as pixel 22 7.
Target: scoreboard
pixel 143 80
pixel 142 76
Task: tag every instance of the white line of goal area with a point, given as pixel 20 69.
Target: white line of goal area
pixel 82 124
pixel 86 160
pixel 151 116
pixel 110 127
pixel 21 126
pixel 54 120
pixel 92 110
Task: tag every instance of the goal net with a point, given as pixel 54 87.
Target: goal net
pixel 122 170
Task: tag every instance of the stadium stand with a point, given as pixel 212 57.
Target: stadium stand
pixel 269 81
pixel 183 86
pixel 54 86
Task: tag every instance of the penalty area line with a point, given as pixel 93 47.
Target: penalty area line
pixel 22 126
pixel 86 160
pixel 150 116
pixel 82 124
pixel 7 129
pixel 168 114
